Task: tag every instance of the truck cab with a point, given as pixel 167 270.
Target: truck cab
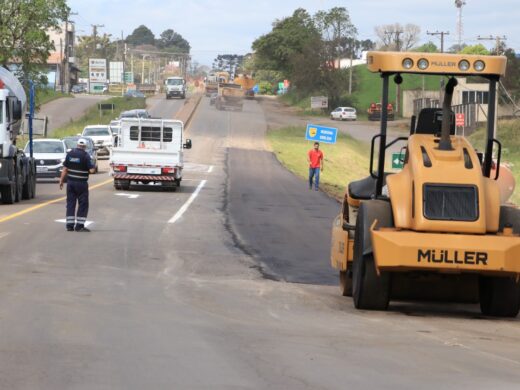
pixel 17 170
pixel 175 87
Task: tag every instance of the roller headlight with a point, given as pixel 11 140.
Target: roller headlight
pixel 407 63
pixel 479 65
pixel 423 64
pixel 464 65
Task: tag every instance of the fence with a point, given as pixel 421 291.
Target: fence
pixel 473 112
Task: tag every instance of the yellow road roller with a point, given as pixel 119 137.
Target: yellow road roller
pixel 440 218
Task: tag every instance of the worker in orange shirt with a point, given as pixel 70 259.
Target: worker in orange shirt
pixel 315 159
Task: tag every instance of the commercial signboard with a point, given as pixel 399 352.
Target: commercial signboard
pixel 97 69
pixel 97 74
pixel 319 102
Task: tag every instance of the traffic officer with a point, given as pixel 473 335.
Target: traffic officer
pixel 76 169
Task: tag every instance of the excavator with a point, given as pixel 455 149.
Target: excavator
pixel 440 228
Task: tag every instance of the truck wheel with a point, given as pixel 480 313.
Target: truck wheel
pixel 9 193
pixel 125 185
pixel 499 296
pixel 27 186
pixel 369 290
pixel 117 184
pixel 19 185
pixel 345 283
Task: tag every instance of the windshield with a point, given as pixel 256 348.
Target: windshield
pixel 129 115
pixel 71 143
pixel 47 147
pixel 175 82
pixel 96 131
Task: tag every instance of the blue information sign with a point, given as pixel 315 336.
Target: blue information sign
pixel 323 134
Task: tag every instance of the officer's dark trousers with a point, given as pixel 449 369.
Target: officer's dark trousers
pixel 77 192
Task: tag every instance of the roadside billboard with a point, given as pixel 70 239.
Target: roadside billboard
pixel 116 69
pixel 319 102
pixel 97 74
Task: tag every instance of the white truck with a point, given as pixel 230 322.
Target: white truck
pixel 175 86
pixel 17 170
pixel 149 151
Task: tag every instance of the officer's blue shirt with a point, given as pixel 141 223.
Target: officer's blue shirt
pixel 78 164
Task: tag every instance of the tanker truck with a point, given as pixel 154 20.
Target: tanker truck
pixel 17 170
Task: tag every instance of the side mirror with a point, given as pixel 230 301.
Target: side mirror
pixel 188 144
pixel 79 134
pixel 17 110
pixel 68 150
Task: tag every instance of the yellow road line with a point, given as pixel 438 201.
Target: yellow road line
pixel 49 202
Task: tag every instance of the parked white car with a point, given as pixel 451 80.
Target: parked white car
pixel 344 114
pixel 102 137
pixel 49 154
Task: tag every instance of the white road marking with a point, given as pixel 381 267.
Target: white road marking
pixel 193 167
pixel 87 224
pixel 186 205
pixel 210 169
pixel 129 196
pixel 4 234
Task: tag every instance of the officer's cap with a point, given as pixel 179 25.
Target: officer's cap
pixel 82 142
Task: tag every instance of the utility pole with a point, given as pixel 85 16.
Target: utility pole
pixel 498 40
pixel 94 34
pixel 442 34
pixel 397 41
pixel 67 52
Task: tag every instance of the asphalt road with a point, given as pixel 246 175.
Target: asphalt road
pixel 62 111
pixel 157 298
pixel 159 107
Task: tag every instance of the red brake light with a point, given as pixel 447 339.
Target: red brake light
pixel 119 168
pixel 168 170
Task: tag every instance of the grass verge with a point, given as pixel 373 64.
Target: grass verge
pixel 344 161
pixel 46 95
pixel 507 133
pixel 92 116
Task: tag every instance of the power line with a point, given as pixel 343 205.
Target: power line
pixel 442 34
pixel 498 40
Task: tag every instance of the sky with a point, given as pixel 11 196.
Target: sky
pixel 230 26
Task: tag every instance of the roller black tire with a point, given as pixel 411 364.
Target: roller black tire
pixel 499 296
pixel 345 283
pixel 369 290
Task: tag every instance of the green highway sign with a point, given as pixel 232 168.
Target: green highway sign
pixel 129 77
pixel 397 160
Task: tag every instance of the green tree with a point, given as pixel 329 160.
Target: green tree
pixel 142 35
pixel 288 38
pixel 172 40
pixel 337 31
pixel 511 80
pixel 428 47
pixel 90 47
pixel 479 49
pixel 23 33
